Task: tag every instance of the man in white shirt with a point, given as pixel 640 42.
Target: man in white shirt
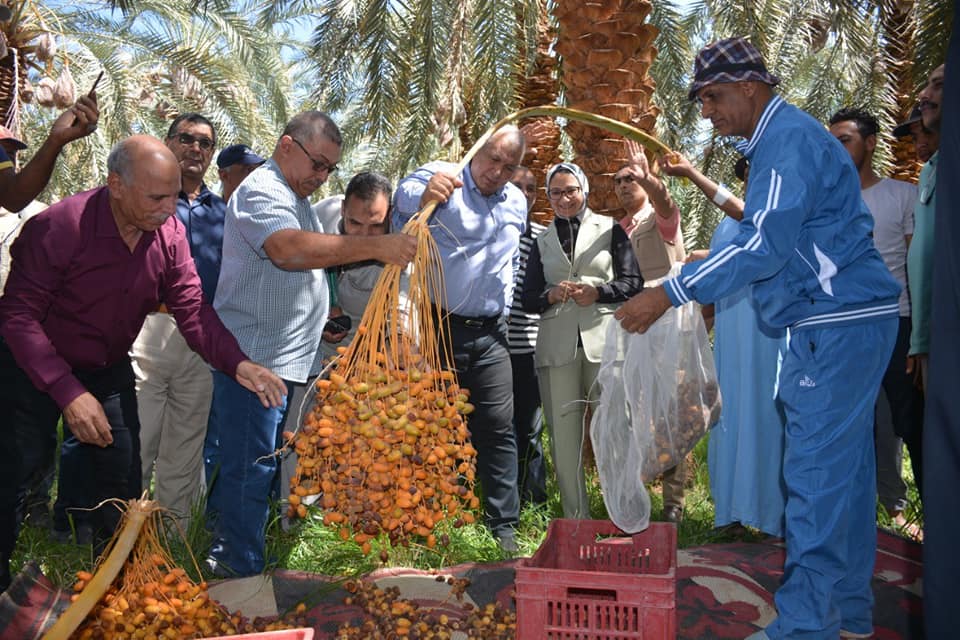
pixel 891 202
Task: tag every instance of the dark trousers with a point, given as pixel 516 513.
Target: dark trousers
pixel 528 426
pixel 482 362
pixel 89 474
pixel 906 404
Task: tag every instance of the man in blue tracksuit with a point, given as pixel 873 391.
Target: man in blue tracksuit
pixel 805 244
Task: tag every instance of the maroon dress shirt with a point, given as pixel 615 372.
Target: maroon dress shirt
pixel 76 295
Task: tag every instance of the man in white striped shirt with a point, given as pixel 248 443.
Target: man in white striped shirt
pixel 522 337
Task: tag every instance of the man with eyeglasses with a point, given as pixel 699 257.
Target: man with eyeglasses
pixel 174 384
pixel 273 296
pixel 652 222
pixel 477 227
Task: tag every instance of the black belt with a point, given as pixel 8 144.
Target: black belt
pixel 469 321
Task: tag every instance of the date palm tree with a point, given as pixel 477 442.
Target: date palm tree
pixel 829 54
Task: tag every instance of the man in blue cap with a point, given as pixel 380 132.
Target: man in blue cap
pixel 234 164
pixel 805 245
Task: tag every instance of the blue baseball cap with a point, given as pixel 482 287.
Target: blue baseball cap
pixel 238 154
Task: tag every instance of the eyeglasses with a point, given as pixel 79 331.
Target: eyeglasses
pixel 320 166
pixel 556 194
pixel 187 140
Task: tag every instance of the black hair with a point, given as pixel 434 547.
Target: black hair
pixel 311 124
pixel 866 123
pixel 192 118
pixel 367 185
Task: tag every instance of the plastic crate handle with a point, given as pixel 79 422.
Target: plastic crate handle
pixel 589 593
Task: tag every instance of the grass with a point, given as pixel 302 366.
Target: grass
pixel 312 547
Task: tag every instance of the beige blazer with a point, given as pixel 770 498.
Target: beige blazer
pixel 561 324
pixel 654 254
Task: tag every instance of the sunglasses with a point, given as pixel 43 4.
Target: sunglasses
pixel 187 140
pixel 319 166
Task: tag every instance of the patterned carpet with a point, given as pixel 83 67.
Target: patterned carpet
pixel 724 591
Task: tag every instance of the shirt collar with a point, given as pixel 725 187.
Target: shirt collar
pixel 106 223
pixel 747 146
pixel 497 196
pixel 642 212
pixel 203 196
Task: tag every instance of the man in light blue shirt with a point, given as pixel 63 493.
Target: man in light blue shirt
pixel 477 229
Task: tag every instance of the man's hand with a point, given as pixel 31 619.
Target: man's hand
pixel 535 132
pixel 263 382
pixel 637 160
pixel 86 419
pixel 76 122
pixel 642 310
pixel 675 164
pixel 913 367
pixel 333 337
pixel 696 256
pixel 395 248
pixel 439 188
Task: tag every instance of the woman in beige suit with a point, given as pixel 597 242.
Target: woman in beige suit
pixel 579 271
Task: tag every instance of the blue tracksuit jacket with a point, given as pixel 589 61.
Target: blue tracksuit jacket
pixel 806 239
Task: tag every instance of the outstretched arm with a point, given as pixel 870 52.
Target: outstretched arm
pixel 677 165
pixel 17 190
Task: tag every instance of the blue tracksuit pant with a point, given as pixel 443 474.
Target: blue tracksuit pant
pixel 828 384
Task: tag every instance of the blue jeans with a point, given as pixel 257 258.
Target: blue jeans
pixel 241 469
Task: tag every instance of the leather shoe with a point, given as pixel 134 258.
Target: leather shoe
pixel 673 514
pixel 508 544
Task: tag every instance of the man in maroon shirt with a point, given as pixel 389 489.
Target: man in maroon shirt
pixel 84 275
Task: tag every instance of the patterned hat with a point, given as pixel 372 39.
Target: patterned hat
pixel 730 60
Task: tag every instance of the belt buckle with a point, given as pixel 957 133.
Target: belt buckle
pixel 473 323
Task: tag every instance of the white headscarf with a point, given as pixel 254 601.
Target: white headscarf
pixel 577 172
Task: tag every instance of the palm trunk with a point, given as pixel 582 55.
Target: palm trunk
pixel 899 26
pixel 607 49
pixel 538 85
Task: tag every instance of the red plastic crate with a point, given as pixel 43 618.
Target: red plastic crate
pixel 582 584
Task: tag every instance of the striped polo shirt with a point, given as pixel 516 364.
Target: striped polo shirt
pixel 522 326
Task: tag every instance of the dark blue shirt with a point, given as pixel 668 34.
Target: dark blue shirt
pixel 203 220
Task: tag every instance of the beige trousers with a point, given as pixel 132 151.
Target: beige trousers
pixel 174 390
pixel 564 391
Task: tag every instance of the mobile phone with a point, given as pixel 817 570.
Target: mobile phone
pixel 340 324
pixel 95 83
pixel 92 89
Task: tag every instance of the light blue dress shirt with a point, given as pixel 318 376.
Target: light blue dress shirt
pixel 478 238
